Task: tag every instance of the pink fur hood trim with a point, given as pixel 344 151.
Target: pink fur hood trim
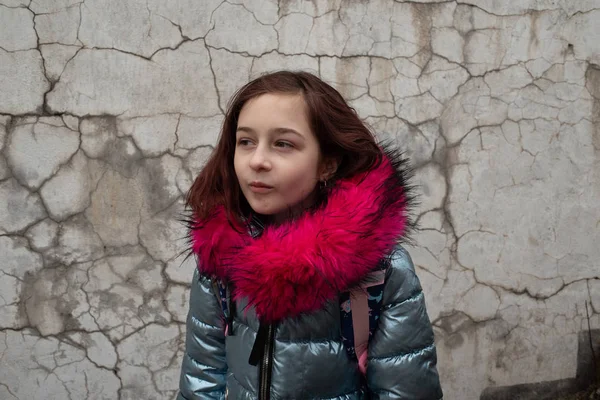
pixel 297 267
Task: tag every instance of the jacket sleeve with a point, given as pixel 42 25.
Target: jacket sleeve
pixel 402 356
pixel 204 367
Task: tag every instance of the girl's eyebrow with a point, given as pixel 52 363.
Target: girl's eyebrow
pixel 281 130
pixel 288 130
pixel 244 129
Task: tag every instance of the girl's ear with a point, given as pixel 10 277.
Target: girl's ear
pixel 328 168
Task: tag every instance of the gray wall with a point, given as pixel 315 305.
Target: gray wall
pixel 108 109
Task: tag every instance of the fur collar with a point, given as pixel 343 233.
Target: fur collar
pixel 297 267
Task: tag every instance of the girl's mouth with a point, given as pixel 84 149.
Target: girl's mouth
pixel 260 187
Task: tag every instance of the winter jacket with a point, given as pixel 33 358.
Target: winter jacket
pixel 285 283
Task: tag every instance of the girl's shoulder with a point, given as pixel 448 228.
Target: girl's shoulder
pixel 400 259
pixel 401 280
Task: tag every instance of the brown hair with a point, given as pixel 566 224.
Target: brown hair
pixel 338 129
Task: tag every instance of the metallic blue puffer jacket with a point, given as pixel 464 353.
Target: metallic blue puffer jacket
pixel 308 359
pixel 284 335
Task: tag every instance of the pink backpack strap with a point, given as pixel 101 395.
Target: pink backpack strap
pixel 361 316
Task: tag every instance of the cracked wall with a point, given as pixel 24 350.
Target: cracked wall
pixel 109 108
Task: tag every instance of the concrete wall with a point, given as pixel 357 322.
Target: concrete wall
pixel 108 109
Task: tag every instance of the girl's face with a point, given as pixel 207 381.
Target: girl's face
pixel 277 158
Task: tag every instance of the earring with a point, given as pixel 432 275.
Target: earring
pixel 323 184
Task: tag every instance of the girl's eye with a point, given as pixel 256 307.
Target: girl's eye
pixel 243 142
pixel 284 145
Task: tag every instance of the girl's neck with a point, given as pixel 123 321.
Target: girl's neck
pixel 291 213
pixel 295 211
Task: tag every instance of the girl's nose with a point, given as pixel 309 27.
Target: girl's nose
pixel 259 160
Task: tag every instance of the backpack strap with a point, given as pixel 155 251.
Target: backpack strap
pixel 360 308
pixel 226 305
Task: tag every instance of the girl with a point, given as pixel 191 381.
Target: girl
pixel 296 210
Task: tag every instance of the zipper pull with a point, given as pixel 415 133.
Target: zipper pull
pixel 259 344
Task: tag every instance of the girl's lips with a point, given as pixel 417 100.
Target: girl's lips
pixel 259 187
pixel 260 184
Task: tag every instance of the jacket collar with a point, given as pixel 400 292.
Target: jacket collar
pixel 296 267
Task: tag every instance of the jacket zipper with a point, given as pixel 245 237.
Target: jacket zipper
pixel 266 367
